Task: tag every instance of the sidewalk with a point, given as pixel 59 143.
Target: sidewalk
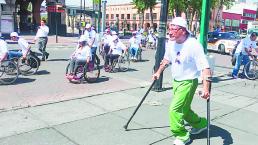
pixel 98 118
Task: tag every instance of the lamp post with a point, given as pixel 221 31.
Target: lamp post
pixel 161 42
pixel 104 2
pixel 1 2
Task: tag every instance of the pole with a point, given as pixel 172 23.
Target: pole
pixel 203 39
pixel 84 11
pixel 205 18
pixel 0 17
pixel 103 16
pixel 56 27
pixel 161 42
pixel 99 18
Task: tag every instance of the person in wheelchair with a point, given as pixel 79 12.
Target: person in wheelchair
pixel 151 40
pixel 106 41
pixel 81 56
pixel 134 46
pixel 3 50
pixel 117 48
pixel 23 44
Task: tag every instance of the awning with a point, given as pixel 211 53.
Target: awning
pixel 2 2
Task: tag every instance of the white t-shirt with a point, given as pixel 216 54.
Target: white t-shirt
pixel 24 45
pixel 246 43
pixel 3 48
pixel 188 59
pixel 151 38
pixel 107 39
pixel 82 53
pixel 90 35
pixel 134 42
pixel 42 31
pixel 117 48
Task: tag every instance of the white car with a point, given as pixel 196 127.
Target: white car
pixel 222 42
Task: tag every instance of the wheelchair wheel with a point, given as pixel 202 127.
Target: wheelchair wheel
pixel 29 66
pixel 91 72
pixel 8 72
pixel 251 70
pixel 123 62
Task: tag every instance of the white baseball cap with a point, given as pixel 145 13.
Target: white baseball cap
pixel 88 26
pixel 179 21
pixel 14 34
pixel 115 37
pixel 113 33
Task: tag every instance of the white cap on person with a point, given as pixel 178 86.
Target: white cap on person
pixel 115 37
pixel 14 34
pixel 113 33
pixel 88 26
pixel 179 21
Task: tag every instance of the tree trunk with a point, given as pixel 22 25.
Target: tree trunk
pixel 142 20
pixel 36 11
pixel 151 16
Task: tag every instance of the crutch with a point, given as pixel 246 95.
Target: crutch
pixel 125 126
pixel 208 114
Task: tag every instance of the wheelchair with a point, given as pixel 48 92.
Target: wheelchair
pixel 89 72
pixel 122 63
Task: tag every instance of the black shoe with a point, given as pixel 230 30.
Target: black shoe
pixel 47 54
pixel 43 59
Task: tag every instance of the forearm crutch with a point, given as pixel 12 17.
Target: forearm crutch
pixel 208 115
pixel 139 105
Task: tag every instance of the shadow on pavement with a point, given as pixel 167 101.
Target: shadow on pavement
pixel 219 79
pixel 147 128
pixel 216 131
pixel 143 60
pixel 43 72
pixel 130 70
pixel 21 81
pixel 62 59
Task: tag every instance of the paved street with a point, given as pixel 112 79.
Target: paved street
pixel 45 109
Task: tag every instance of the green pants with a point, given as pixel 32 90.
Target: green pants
pixel 180 109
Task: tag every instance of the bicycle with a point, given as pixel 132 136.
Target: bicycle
pixel 86 72
pixel 29 65
pixel 8 72
pixel 251 69
pixel 122 63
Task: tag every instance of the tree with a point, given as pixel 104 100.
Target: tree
pixel 193 7
pixel 141 7
pixel 150 4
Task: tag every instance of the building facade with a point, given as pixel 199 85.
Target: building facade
pixel 237 18
pixel 126 16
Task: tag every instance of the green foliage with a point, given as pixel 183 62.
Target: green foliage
pixel 195 5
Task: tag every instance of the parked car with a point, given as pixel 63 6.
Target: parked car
pixel 223 42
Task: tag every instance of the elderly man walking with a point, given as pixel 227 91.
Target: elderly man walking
pixel 188 60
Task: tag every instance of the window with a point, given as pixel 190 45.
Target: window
pixel 244 21
pixel 155 16
pixel 134 16
pixel 128 17
pixel 147 16
pixel 122 16
pixel 227 22
pixel 112 16
pixel 107 16
pixel 235 23
pixel 117 15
